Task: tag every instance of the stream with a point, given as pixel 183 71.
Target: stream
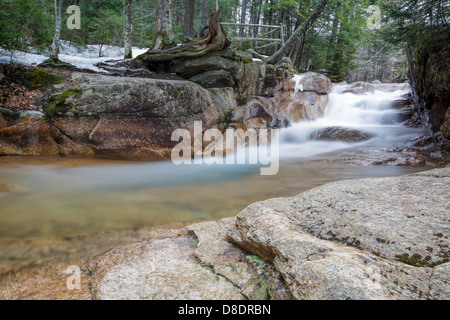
pixel 52 198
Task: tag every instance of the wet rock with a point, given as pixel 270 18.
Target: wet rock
pixel 339 134
pixel 359 239
pixel 313 104
pixel 361 88
pixel 26 133
pixel 291 109
pixel 255 123
pixel 390 87
pixel 123 117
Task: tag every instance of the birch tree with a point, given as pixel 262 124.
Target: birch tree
pixel 128 33
pixel 58 22
pixel 163 28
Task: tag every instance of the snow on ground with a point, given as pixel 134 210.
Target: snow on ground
pixel 78 56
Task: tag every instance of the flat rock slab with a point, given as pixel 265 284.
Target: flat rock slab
pixel 360 239
pixel 383 238
pixel 187 264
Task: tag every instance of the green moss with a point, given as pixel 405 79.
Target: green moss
pixel 129 55
pixel 417 260
pixel 40 79
pixel 58 102
pixel 263 292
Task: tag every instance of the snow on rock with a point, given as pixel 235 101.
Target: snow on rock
pixel 297 78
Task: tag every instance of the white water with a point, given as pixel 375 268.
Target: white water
pixel 64 196
pixel 371 113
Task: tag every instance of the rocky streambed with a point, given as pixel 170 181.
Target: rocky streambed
pixel 376 238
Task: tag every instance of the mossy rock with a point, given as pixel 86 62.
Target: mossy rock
pixel 58 102
pixel 40 79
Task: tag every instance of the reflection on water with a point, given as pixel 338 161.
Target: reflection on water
pixel 76 196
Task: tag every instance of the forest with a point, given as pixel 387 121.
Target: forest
pixel 345 41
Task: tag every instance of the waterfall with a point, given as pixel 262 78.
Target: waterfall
pixel 372 113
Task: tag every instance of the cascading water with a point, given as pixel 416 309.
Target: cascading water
pixel 370 113
pixel 65 196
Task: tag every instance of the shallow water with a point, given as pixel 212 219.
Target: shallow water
pixel 87 196
pixel 56 198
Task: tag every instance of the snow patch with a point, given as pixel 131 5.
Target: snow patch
pixel 81 57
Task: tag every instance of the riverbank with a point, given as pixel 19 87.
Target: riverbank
pixel 378 238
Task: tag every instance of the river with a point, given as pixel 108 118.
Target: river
pixel 53 198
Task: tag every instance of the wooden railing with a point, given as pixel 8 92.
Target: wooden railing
pixel 264 37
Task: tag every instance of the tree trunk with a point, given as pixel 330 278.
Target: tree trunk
pixel 188 30
pixel 128 34
pixel 58 22
pixel 243 14
pixel 299 33
pixel 256 16
pixel 163 28
pixel 204 20
pixel 216 40
pixel 296 47
pixel 334 34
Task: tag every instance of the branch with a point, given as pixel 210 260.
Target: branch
pixel 301 31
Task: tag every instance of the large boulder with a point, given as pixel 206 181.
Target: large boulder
pixel 384 238
pixel 313 82
pixel 111 116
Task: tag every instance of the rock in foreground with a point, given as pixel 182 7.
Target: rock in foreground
pixel 383 238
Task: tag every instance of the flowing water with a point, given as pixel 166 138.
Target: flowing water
pixel 60 197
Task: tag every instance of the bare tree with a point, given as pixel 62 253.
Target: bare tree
pixel 58 22
pixel 128 32
pixel 163 24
